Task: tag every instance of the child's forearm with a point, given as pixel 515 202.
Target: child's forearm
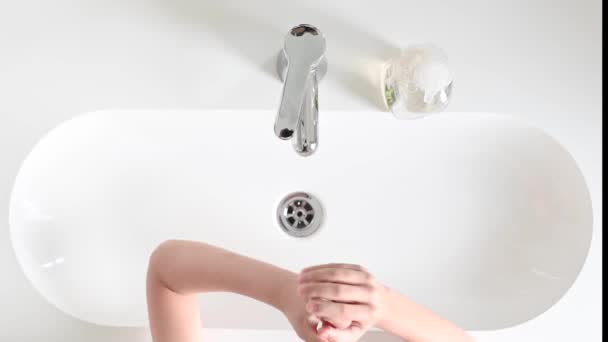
pixel 179 270
pixel 412 322
pixel 188 267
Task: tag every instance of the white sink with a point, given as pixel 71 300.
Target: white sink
pixel 480 217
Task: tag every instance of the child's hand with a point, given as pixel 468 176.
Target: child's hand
pixel 293 307
pixel 345 296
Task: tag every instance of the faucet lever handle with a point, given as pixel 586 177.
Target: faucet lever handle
pixel 305 44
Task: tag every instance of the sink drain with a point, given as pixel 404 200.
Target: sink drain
pixel 300 214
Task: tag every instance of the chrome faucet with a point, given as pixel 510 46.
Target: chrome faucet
pixel 301 65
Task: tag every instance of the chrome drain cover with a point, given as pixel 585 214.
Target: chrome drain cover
pixel 300 214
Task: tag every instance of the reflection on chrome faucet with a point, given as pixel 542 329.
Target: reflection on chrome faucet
pixel 301 65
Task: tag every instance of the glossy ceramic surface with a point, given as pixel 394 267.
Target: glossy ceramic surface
pixel 482 218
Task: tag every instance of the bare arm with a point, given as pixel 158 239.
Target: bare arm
pixel 413 322
pixel 178 270
pixel 344 295
pixel 348 297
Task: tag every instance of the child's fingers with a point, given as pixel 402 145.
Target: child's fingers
pixel 326 332
pixel 333 265
pixel 337 292
pixel 331 334
pixel 341 315
pixel 310 333
pixel 336 275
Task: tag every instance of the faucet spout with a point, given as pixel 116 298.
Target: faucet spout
pixel 301 65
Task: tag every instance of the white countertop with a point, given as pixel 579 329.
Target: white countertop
pixel 538 60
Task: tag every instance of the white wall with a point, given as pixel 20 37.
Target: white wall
pixel 538 59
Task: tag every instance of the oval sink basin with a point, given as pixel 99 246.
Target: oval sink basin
pixel 480 217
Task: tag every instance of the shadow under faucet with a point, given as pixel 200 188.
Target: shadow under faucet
pixel 255 30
